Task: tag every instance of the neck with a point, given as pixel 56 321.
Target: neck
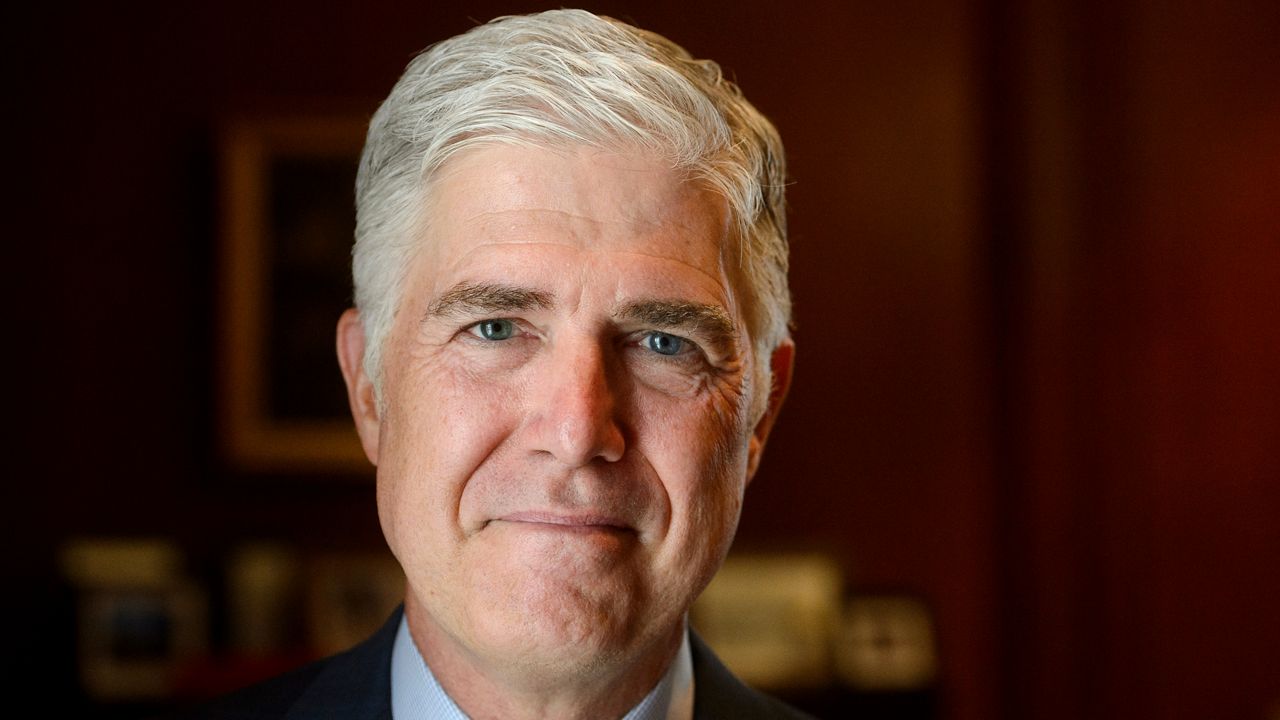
pixel 488 688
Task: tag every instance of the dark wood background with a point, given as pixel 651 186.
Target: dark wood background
pixel 1036 255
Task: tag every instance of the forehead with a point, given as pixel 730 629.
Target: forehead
pixel 573 205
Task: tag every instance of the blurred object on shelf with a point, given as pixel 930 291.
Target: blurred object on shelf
pixel 264 592
pixel 771 617
pixel 138 617
pixel 885 643
pixel 349 596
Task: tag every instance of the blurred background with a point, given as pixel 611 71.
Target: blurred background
pixel 1034 434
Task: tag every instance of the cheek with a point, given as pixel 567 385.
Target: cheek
pixel 441 425
pixel 699 452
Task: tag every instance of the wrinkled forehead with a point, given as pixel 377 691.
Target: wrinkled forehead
pixel 578 195
pixel 499 187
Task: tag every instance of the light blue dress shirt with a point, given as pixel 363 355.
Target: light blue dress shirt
pixel 416 695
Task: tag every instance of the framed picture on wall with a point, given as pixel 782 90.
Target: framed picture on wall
pixel 139 618
pixel 287 224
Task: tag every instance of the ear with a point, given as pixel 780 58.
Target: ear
pixel 780 363
pixel 360 393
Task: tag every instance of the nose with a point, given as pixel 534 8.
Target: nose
pixel 578 422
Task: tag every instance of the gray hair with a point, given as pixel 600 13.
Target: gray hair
pixel 561 78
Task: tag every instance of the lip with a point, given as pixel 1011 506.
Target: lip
pixel 571 522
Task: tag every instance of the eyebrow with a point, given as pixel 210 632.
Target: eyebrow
pixel 468 298
pixel 707 321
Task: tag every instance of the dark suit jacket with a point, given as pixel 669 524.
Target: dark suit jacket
pixel 356 685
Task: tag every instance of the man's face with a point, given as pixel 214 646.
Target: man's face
pixel 564 440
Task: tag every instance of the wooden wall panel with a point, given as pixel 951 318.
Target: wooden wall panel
pixel 1147 414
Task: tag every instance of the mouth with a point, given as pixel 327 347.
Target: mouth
pixel 584 523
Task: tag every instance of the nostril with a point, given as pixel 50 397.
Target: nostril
pixel 578 421
pixel 586 431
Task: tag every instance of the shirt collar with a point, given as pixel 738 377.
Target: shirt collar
pixel 416 695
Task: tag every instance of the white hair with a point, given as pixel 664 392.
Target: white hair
pixel 564 78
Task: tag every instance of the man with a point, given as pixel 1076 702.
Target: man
pixel 569 346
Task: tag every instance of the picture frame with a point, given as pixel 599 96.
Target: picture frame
pixel 287 226
pixel 139 618
pixel 133 642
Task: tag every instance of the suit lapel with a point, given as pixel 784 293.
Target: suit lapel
pixel 718 694
pixel 354 685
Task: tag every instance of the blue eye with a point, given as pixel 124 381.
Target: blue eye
pixel 495 329
pixel 663 344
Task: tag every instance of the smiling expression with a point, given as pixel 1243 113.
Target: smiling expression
pixel 564 437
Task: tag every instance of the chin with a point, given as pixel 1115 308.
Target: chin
pixel 562 626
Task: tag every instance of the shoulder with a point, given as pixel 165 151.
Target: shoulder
pixel 354 684
pixel 717 693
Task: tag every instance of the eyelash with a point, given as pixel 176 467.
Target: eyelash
pixel 476 329
pixel 684 346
